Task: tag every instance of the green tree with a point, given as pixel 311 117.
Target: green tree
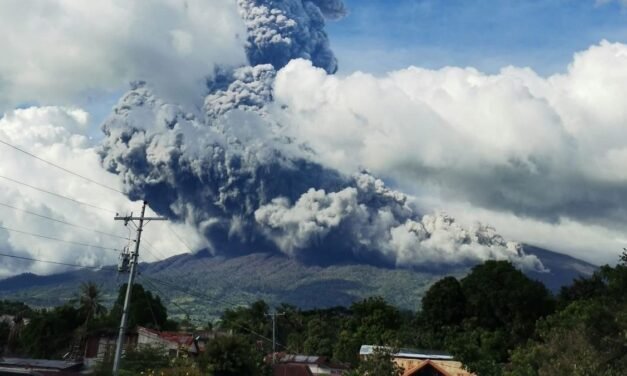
pixel 379 363
pixel 481 350
pixel 89 302
pixel 13 308
pixel 233 356
pixel 319 337
pixel 145 309
pixel 244 320
pixel 50 332
pixel 371 321
pixel 499 296
pixel 586 338
pixel 481 318
pixel 444 304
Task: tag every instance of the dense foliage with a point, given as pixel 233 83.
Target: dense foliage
pixel 495 320
pixel 52 333
pixel 145 310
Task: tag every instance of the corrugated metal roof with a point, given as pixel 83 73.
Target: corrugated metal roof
pixel 296 358
pixel 38 363
pixel 408 353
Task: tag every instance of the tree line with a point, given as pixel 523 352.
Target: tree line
pixel 495 320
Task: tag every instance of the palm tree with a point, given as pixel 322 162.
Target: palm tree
pixel 90 302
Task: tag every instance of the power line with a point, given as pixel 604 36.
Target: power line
pixel 143 220
pixel 62 222
pixel 61 167
pixel 179 238
pixel 152 286
pixel 150 253
pixel 49 261
pixel 57 239
pixel 202 296
pixel 161 256
pixel 57 195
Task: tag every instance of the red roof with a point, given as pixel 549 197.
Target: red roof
pixel 186 339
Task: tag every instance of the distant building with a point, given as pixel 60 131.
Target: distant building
pixel 306 365
pixel 174 343
pixel 423 362
pixel 101 345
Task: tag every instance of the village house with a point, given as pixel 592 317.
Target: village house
pixel 101 345
pixel 174 344
pixel 423 362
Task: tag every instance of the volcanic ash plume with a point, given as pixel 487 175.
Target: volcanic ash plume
pixel 229 170
pixel 282 30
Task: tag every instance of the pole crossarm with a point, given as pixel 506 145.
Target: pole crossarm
pixel 129 218
pixel 129 287
pixel 274 315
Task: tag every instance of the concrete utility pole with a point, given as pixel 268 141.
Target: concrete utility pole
pixel 274 315
pixel 131 278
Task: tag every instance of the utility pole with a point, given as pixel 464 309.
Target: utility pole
pixel 274 315
pixel 131 278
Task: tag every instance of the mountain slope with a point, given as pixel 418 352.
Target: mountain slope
pixel 218 283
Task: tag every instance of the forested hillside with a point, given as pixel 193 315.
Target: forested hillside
pixel 496 320
pixel 228 282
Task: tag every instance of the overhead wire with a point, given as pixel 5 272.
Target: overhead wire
pixel 62 221
pixel 152 312
pixel 49 261
pixel 83 227
pixel 57 239
pixel 153 287
pixel 204 297
pixel 64 169
pixel 189 249
pixel 60 167
pixel 150 246
pixel 57 194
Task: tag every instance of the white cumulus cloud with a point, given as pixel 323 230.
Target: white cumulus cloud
pixel 56 134
pixel 550 149
pixel 57 50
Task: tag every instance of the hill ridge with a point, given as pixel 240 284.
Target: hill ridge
pixel 275 278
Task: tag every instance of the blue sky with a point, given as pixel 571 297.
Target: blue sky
pixel 382 35
pixel 544 166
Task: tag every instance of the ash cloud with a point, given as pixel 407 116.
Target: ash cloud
pixel 282 30
pixel 232 171
pixel 247 188
pixel 371 221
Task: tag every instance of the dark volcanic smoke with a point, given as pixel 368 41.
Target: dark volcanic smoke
pixel 227 168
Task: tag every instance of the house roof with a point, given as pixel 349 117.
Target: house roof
pixel 306 359
pixel 444 367
pixel 426 364
pixel 185 339
pixel 39 363
pixel 408 353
